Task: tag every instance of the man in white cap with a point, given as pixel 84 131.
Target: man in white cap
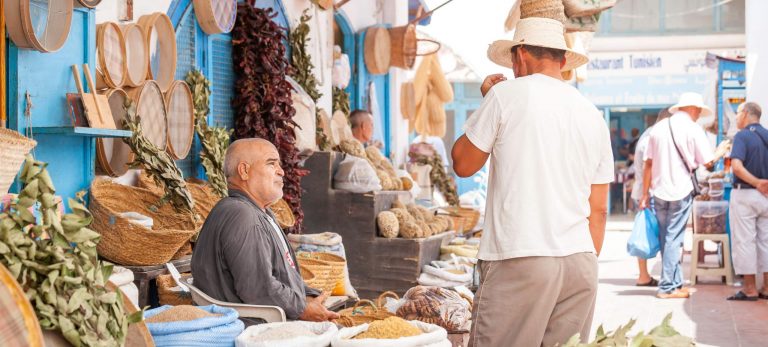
pixel 551 163
pixel 676 148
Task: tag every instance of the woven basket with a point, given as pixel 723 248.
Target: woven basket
pixel 552 9
pixel 169 293
pixel 283 214
pixel 13 149
pixel 127 243
pixel 464 219
pixel 205 199
pixel 326 276
pixel 377 53
pixel 365 311
pixel 404 46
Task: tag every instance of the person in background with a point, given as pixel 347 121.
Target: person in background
pixel 242 255
pixel 749 202
pixel 676 147
pixel 538 263
pixel 362 128
pixel 644 278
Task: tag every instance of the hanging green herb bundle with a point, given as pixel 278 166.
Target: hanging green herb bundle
pixel 263 104
pixel 439 177
pixel 303 73
pixel 214 140
pixel 56 263
pixel 158 164
pixel 340 101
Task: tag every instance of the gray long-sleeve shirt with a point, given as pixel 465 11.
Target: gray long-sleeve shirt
pixel 240 258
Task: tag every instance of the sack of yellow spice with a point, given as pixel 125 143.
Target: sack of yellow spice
pixel 370 335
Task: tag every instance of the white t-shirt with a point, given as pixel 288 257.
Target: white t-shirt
pixel 639 164
pixel 670 180
pixel 548 145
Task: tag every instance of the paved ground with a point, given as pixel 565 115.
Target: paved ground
pixel 706 316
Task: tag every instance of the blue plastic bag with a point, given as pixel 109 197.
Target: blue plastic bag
pixel 644 240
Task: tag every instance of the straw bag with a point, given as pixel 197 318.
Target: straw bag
pixel 169 293
pixel 328 269
pixel 365 311
pixel 552 9
pixel 13 148
pixel 464 219
pixel 283 214
pixel 127 243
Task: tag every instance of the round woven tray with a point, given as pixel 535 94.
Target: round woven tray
pixel 181 119
pixel 18 323
pixel 283 214
pixel 110 46
pixel 377 53
pixel 136 53
pixel 112 154
pixel 150 106
pixel 216 16
pixel 29 31
pixel 161 42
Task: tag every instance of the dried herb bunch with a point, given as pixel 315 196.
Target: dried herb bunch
pixel 214 140
pixel 158 164
pixel 56 263
pixel 340 101
pixel 263 104
pixel 302 72
pixel 444 183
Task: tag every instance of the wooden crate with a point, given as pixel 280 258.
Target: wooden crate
pixel 376 264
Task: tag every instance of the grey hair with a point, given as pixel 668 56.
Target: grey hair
pixel 753 109
pixel 358 117
pixel 236 155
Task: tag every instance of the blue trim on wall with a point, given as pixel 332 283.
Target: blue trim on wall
pixel 348 48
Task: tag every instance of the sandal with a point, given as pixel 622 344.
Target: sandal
pixel 652 283
pixel 740 296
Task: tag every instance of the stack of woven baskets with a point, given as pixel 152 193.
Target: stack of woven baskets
pixel 323 271
pixel 464 219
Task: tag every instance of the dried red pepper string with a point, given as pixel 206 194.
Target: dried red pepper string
pixel 263 104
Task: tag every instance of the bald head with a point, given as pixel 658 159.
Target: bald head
pixel 362 125
pixel 245 151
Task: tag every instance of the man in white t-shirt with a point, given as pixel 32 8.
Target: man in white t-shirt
pixel 551 163
pixel 677 147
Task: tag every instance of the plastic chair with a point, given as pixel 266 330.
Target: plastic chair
pixel 270 314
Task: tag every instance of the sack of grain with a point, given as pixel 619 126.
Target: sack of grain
pixel 431 336
pixel 191 326
pixel 288 334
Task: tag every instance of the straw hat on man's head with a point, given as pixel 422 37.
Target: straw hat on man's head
pixel 692 99
pixel 539 32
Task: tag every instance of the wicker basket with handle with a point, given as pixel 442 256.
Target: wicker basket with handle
pixel 366 311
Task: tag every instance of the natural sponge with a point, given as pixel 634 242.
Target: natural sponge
pixel 389 227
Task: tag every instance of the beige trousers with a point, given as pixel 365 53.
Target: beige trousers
pixel 749 231
pixel 534 301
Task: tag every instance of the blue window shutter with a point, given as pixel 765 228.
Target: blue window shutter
pixel 186 60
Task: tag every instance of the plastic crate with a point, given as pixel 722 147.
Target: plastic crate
pixel 709 217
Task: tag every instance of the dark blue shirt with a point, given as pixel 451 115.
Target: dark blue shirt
pixel 752 150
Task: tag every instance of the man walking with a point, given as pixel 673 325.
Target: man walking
pixel 749 202
pixel 551 164
pixel 677 146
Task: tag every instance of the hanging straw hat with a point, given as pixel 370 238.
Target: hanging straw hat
pixel 539 32
pixel 552 9
pixel 692 99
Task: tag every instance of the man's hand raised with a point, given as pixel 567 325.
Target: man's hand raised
pixel 315 310
pixel 491 81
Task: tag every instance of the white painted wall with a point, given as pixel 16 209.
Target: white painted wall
pixel 107 10
pixel 757 55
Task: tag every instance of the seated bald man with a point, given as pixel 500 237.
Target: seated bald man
pixel 242 255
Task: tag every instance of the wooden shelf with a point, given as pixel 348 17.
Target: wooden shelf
pixel 81 131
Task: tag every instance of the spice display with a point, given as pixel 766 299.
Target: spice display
pixel 263 104
pixel 180 313
pixel 55 261
pixel 440 178
pixel 158 164
pixel 389 227
pixel 435 305
pixel 390 328
pixel 214 140
pixel 282 332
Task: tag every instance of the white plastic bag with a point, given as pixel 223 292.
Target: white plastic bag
pixel 356 175
pixel 433 336
pixel 325 332
pixel 442 277
pixel 138 218
pixel 341 71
